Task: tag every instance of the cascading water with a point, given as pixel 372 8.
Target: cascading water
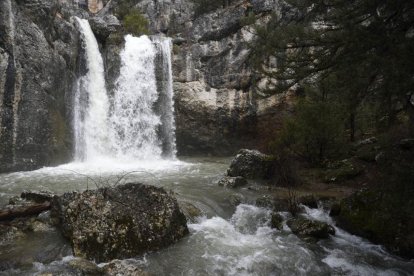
pixel 139 122
pixel 91 103
pixel 133 121
pixel 165 107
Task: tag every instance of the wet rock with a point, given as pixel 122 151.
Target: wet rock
pixel 406 144
pixel 343 170
pixel 236 199
pixel 232 182
pixel 306 228
pixel 119 222
pixel 38 197
pixel 85 267
pixel 335 209
pixel 367 153
pixel 276 221
pixel 190 211
pixel 124 268
pixel 309 200
pixel 103 26
pixel 251 164
pixel 383 217
pixel 368 141
pixel 266 201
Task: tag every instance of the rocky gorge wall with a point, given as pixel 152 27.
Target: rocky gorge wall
pixel 39 58
pixel 217 107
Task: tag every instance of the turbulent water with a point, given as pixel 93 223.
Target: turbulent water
pixel 225 240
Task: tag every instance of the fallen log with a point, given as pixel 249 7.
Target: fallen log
pixel 24 211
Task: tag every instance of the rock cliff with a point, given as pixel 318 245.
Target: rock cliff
pixel 39 50
pixel 217 108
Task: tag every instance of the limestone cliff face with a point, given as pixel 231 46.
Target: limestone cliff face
pixel 217 108
pixel 39 48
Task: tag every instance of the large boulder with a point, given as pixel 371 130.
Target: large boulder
pixel 306 228
pixel 119 222
pixel 251 164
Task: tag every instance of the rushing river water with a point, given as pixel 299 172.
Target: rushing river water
pixel 226 240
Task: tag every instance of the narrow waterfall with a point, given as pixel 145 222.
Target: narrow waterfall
pixel 138 122
pixel 133 120
pixel 165 105
pixel 91 103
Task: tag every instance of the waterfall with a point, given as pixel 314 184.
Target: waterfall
pixel 91 103
pixel 133 120
pixel 137 123
pixel 165 107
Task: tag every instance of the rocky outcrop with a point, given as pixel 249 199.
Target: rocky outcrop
pixel 39 49
pixel 119 222
pixel 306 228
pixel 251 164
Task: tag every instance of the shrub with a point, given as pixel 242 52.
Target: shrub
pixel 315 132
pixel 135 23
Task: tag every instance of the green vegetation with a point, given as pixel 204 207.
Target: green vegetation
pixel 135 23
pixel 133 20
pixel 354 60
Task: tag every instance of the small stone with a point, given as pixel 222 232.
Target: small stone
pixel 236 199
pixel 276 221
pixel 265 201
pixel 232 182
pixel 309 200
pixel 306 228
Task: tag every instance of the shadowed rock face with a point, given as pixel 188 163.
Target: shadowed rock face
pixel 217 107
pixel 121 222
pixel 39 49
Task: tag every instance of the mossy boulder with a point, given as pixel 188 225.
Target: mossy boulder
pixel 251 164
pixel 120 222
pixel 384 217
pixel 310 229
pixel 343 170
pixel 276 221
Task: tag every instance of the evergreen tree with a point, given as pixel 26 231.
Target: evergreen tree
pixel 363 48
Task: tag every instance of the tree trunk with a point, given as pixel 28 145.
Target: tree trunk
pixel 24 211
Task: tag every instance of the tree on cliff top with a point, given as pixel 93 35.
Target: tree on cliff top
pixel 364 47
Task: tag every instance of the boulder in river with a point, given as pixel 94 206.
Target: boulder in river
pixel 251 164
pixel 232 182
pixel 306 228
pixel 120 222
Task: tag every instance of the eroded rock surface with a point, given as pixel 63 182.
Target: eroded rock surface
pixel 120 222
pixel 251 164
